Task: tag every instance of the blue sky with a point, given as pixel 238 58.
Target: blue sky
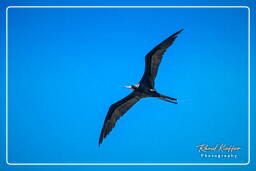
pixel 67 66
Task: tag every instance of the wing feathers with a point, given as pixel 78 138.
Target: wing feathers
pixel 153 60
pixel 115 111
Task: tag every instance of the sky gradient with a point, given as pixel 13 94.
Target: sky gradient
pixel 67 66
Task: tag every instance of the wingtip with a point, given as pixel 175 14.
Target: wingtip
pixel 100 141
pixel 101 138
pixel 179 31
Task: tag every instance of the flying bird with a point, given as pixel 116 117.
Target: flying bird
pixel 145 88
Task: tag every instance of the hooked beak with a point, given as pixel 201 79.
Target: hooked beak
pixel 130 87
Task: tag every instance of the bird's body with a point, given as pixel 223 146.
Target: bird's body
pixel 145 88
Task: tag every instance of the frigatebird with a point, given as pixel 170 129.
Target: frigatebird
pixel 145 88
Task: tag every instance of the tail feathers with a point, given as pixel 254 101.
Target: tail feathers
pixel 168 99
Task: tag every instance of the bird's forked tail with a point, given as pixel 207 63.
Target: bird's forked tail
pixel 168 99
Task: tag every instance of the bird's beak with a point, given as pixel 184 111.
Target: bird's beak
pixel 130 87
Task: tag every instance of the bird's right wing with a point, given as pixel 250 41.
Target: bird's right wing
pixel 115 111
pixel 153 60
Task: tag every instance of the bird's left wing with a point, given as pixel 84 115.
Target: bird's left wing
pixel 115 111
pixel 153 60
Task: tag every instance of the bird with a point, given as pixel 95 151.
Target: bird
pixel 145 88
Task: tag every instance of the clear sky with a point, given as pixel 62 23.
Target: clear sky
pixel 67 66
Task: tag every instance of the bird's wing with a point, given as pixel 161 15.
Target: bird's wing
pixel 153 59
pixel 115 111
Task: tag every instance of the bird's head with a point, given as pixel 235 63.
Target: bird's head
pixel 133 87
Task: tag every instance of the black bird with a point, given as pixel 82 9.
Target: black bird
pixel 145 88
